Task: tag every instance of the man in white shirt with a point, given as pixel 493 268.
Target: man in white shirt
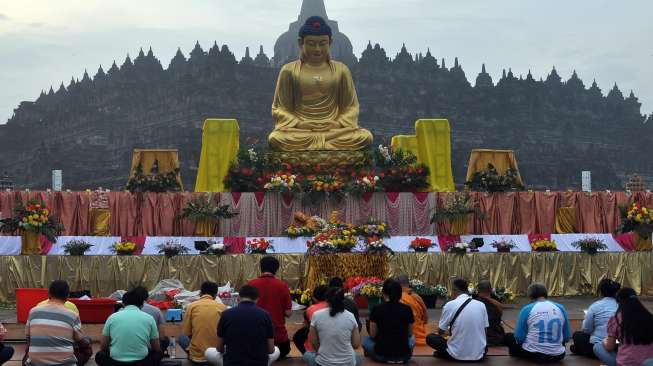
pixel 542 328
pixel 465 319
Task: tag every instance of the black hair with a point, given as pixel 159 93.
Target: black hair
pixel 336 282
pixel 142 292
pixel 634 321
pixel 460 284
pixel 320 292
pixel 392 289
pixel 537 290
pixel 59 290
pixel 248 292
pixel 209 288
pixel 336 299
pixel 315 26
pixel 269 264
pixel 132 297
pixel 609 288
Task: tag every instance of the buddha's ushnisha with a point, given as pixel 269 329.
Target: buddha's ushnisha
pixel 315 105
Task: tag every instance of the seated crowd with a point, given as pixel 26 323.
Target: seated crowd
pixel 616 328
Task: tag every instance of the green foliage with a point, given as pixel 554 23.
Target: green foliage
pixel 203 208
pixel 489 180
pixel 153 182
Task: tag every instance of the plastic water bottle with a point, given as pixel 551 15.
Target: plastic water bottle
pixel 172 348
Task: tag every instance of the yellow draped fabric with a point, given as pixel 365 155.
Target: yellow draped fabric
pixel 566 220
pixel 434 150
pixel 316 109
pixel 501 159
pixel 419 313
pixel 168 160
pixel 100 219
pixel 30 243
pixel 564 274
pixel 220 144
pixel 406 143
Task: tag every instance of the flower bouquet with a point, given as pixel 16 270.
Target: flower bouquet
pixel 364 183
pixel 76 247
pixel 203 208
pixel 636 218
pixel 172 248
pixel 374 228
pixel 504 295
pixel 370 289
pixel 155 181
pixel 259 246
pixel 544 245
pixel 124 248
pixel 33 217
pixel 503 246
pixel 304 226
pixel 215 248
pixel 302 297
pixel 458 248
pixel 375 245
pixel 421 244
pixel 333 240
pixel 283 182
pixel 590 245
pixel 317 188
pixel 429 294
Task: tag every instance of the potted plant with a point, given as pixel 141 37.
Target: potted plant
pixel 429 294
pixel 204 213
pixel 32 220
pixel 124 248
pixel 259 246
pixel 76 247
pixel 215 248
pixel 371 289
pixel 639 220
pixel 503 246
pixel 590 245
pixel 172 248
pixel 544 245
pixel 504 295
pixel 421 244
pixel 457 209
pixel 375 245
pixel 458 248
pixel 155 181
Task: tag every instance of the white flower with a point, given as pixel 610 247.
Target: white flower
pixel 376 178
pixel 217 246
pixel 252 155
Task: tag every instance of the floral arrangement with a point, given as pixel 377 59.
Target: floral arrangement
pixel 259 246
pixel 458 248
pixel 333 240
pixel 544 245
pixel 155 181
pixel 302 297
pixel 489 180
pixel 374 228
pixel 375 245
pixel 34 216
pixel 364 183
pixel 381 170
pixel 635 217
pixel 423 289
pixel 504 295
pixel 369 287
pixel 202 208
pixel 354 281
pixel 590 245
pixel 124 248
pixel 421 244
pixel 503 245
pixel 284 182
pixel 76 247
pixel 458 206
pixel 172 248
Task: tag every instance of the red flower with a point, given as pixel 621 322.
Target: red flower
pixel 420 170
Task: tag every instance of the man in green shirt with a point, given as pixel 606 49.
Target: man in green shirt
pixel 130 336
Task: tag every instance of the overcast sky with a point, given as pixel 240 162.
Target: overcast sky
pixel 45 42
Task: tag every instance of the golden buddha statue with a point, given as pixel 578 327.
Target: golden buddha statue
pixel 315 105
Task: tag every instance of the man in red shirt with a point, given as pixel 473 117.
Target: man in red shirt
pixel 274 297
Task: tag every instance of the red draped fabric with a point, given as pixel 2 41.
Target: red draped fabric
pixel 627 241
pixel 268 214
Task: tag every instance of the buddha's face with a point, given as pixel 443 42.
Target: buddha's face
pixel 315 49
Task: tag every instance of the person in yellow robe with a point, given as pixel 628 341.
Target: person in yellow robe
pixel 315 106
pixel 416 304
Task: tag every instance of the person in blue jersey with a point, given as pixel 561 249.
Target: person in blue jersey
pixel 595 324
pixel 542 329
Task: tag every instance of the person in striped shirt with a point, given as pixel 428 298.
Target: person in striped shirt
pixel 52 330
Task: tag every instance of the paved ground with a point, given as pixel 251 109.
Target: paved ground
pixel 422 356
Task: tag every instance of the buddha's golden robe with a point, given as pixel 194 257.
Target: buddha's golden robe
pixel 316 108
pixel 419 313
